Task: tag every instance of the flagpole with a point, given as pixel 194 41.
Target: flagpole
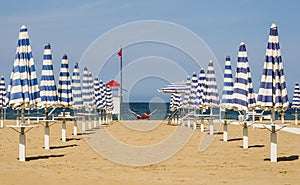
pixel 121 86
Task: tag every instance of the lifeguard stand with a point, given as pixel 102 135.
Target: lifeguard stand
pixel 116 93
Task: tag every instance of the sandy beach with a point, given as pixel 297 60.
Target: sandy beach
pixel 76 162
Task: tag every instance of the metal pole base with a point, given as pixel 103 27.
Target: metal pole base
pixel 225 133
pixel 22 146
pixel 273 147
pixel 245 137
pixel 63 132
pixel 47 138
pixel 75 128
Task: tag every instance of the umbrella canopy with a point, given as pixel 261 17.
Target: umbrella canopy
pixel 76 88
pixel 296 97
pixel 177 87
pixel 64 84
pixel 48 89
pixel 272 92
pixel 3 102
pixel 201 89
pixel 193 101
pixel 175 101
pixel 186 96
pixel 109 101
pixel 228 85
pixel 23 90
pixel 97 93
pixel 243 93
pixel 211 94
pixel 102 98
pixel 86 91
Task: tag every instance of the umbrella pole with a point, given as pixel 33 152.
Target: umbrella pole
pixel 46 131
pixel 95 118
pixel 211 126
pixel 189 117
pixel 2 118
pixel 296 117
pixel 63 131
pixel 195 120
pixel 273 139
pixel 202 121
pixel 22 139
pixel 28 119
pixel 75 124
pixel 225 134
pixel 90 121
pixel 100 117
pixel 83 124
pixel 245 132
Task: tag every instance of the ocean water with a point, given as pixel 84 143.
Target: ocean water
pixel 162 111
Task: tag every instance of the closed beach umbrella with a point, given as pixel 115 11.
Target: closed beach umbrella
pixel 226 102
pixel 186 96
pixel 77 95
pixel 86 91
pixel 3 102
pixel 243 93
pixel 76 88
pixel 102 101
pixel 272 94
pixel 193 100
pixel 201 90
pixel 64 91
pixel 296 101
pixel 97 94
pixel 48 90
pixel 109 102
pixel 23 91
pixel 227 93
pixel 211 94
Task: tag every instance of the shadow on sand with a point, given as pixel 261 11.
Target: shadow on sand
pixel 64 146
pixel 285 158
pixel 43 157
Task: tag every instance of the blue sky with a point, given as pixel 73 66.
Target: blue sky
pixel 71 26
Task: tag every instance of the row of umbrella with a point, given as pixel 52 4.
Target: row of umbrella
pixel 239 95
pixel 24 92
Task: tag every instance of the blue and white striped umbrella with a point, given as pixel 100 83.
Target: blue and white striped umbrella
pixel 97 93
pixel 243 93
pixel 272 92
pixel 193 101
pixel 64 84
pixel 177 87
pixel 76 88
pixel 296 97
pixel 109 101
pixel 201 89
pixel 186 96
pixel 91 87
pixel 23 90
pixel 102 99
pixel 48 89
pixel 86 91
pixel 211 94
pixel 3 102
pixel 228 85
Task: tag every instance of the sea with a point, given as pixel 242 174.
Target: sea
pixel 161 111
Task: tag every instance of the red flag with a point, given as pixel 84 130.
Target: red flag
pixel 120 52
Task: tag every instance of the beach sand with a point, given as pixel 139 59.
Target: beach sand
pixel 75 162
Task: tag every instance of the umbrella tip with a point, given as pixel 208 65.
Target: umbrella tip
pixel 227 57
pixel 23 26
pixel 65 57
pixel 273 26
pixel 242 43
